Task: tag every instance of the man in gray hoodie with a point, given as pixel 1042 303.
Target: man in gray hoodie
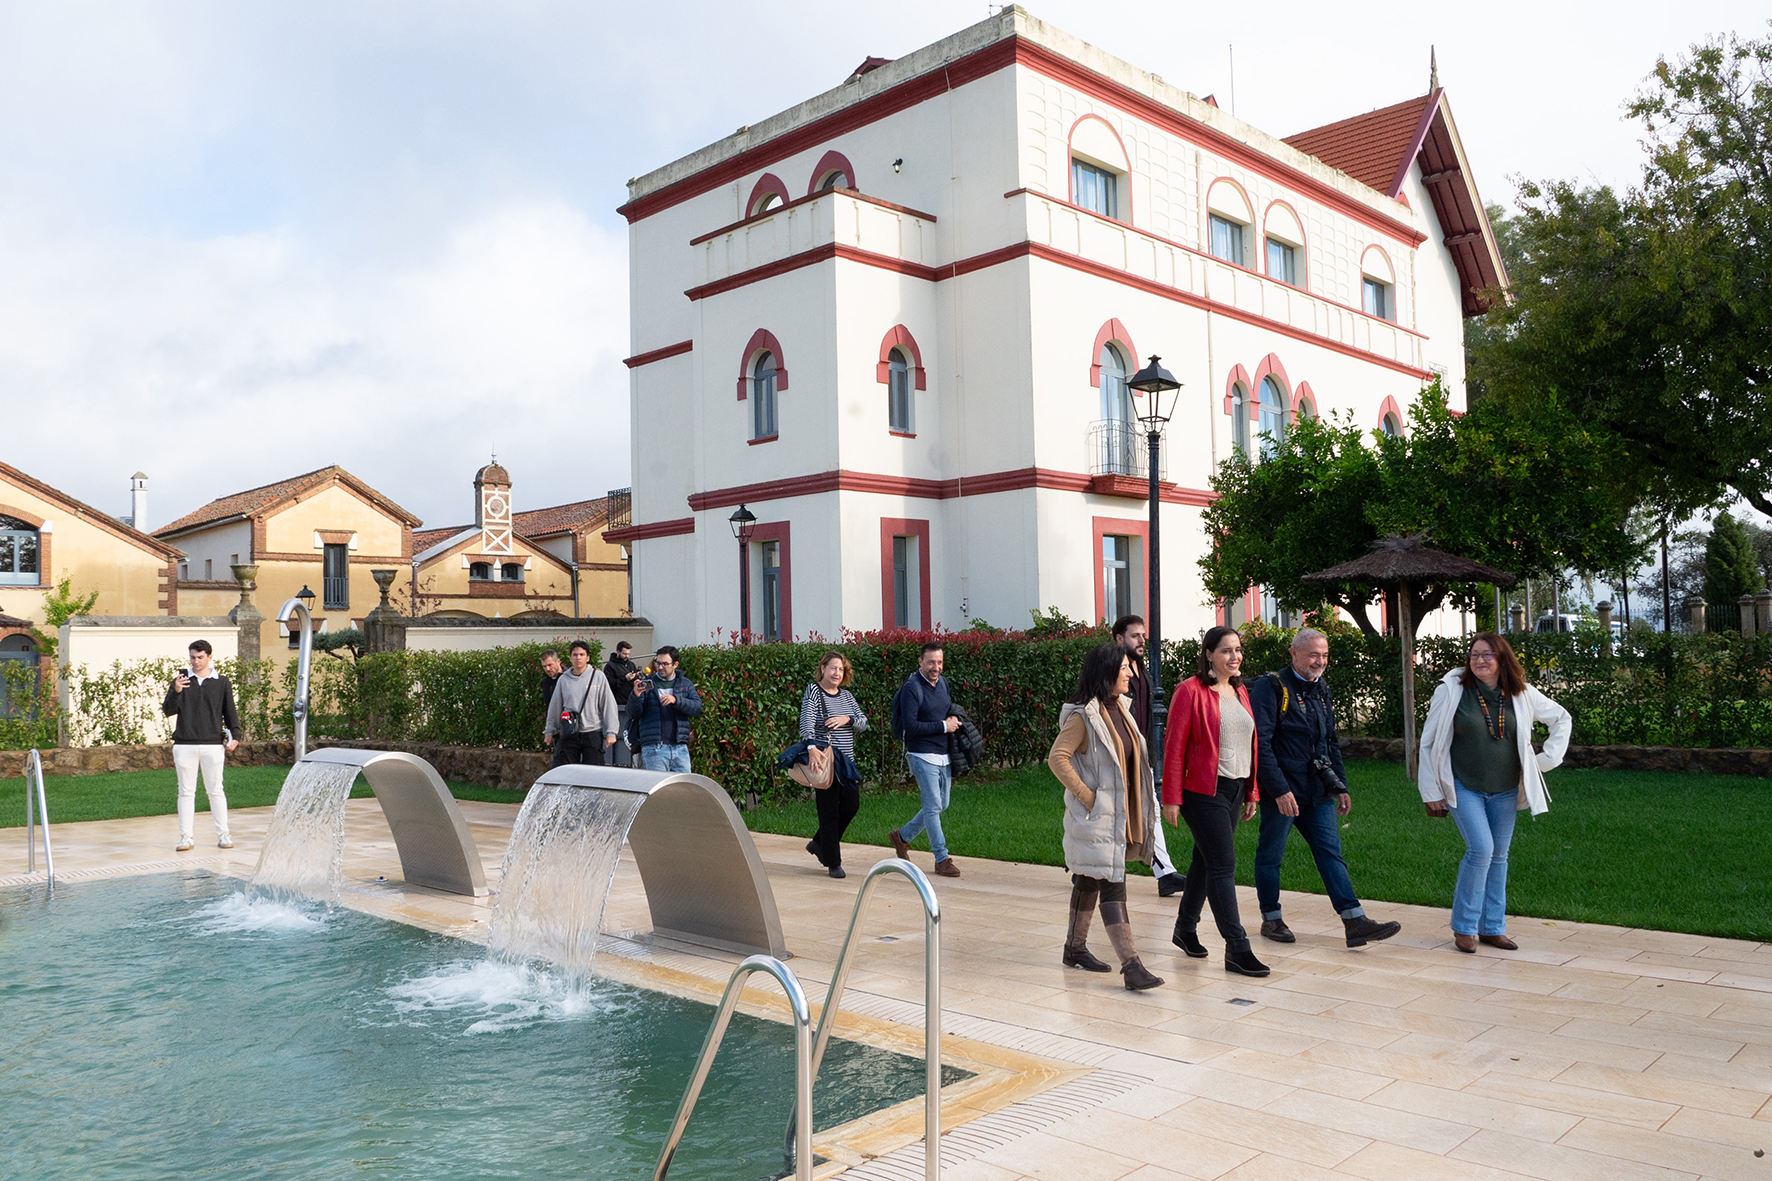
pixel 582 719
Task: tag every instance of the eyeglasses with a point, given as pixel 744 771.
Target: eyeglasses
pixel 1482 657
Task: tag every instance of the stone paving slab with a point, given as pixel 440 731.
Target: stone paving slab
pixel 1594 1052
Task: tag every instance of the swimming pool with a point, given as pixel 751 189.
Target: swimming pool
pixel 174 1025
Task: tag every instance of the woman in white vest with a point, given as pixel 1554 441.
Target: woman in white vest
pixel 1110 808
pixel 1478 766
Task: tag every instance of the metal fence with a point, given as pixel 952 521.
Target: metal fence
pixel 1120 448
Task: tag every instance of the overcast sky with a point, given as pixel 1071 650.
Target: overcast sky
pixel 242 241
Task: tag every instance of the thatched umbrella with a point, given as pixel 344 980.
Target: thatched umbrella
pixel 1401 563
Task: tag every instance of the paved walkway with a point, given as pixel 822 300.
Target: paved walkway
pixel 1592 1053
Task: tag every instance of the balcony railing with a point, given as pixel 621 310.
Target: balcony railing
pixel 1120 448
pixel 621 508
pixel 336 593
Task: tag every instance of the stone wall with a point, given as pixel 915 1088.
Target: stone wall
pixel 1751 761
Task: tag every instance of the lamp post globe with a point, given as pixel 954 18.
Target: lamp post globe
pixel 743 523
pixel 1157 390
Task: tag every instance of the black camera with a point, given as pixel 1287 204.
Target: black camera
pixel 1325 771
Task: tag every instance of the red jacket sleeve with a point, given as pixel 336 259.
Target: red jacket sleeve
pixel 1175 740
pixel 1254 745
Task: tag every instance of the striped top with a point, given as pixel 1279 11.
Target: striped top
pixel 841 703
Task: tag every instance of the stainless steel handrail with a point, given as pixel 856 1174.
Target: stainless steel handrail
pixel 304 663
pixel 827 1018
pixel 34 769
pixel 802 1014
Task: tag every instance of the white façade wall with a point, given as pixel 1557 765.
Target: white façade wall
pixel 217 546
pixel 93 643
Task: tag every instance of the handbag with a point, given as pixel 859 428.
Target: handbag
pixel 819 769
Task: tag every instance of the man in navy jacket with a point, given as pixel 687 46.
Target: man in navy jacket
pixel 1304 785
pixel 920 718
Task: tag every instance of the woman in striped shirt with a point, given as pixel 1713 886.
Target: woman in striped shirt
pixel 830 713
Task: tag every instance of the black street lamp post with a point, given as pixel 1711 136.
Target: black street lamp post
pixel 1153 382
pixel 743 522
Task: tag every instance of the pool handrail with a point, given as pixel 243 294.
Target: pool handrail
pixel 34 770
pixel 304 665
pixel 802 1015
pixel 827 1017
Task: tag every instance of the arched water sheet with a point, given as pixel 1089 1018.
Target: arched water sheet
pixel 704 880
pixel 304 849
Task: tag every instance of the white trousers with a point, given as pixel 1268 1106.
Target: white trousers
pixel 187 761
pixel 1161 865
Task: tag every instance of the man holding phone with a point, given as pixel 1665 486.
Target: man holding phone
pixel 664 704
pixel 203 702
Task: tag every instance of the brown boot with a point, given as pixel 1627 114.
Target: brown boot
pixel 946 868
pixel 901 849
pixel 1076 944
pixel 1137 976
pixel 1501 941
pixel 1465 943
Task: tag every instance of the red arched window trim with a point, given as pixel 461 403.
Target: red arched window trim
pixel 1270 367
pixel 1070 192
pixel 1113 330
pixel 762 339
pixel 1239 377
pixel 766 184
pixel 1389 406
pixel 830 162
pixel 1300 395
pixel 900 338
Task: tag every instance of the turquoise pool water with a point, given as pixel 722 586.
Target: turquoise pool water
pixel 174 1026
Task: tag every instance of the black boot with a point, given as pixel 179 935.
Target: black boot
pixel 1244 963
pixel 1363 930
pixel 1138 977
pixel 1170 884
pixel 1189 942
pixel 1278 931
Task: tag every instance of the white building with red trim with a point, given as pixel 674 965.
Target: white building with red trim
pixel 958 257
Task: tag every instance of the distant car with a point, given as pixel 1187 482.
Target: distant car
pixel 1557 623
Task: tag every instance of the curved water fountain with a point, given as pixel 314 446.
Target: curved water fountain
pixel 703 878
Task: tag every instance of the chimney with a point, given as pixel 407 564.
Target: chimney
pixel 138 502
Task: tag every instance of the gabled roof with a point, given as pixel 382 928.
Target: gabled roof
pixel 432 544
pixel 105 521
pixel 581 516
pixel 1378 149
pixel 255 501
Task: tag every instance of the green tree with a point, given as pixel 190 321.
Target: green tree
pixel 1731 568
pixel 1647 312
pixel 59 606
pixel 1527 489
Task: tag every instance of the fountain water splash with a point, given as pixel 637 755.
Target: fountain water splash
pixel 304 851
pixel 557 872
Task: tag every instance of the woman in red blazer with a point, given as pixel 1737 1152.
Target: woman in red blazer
pixel 1208 781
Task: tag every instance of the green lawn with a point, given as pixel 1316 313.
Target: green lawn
pixel 155 793
pixel 1672 852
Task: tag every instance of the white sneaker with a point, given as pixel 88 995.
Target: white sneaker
pixel 225 843
pixel 186 845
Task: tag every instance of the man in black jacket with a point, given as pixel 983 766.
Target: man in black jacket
pixel 621 672
pixel 207 728
pixel 1129 634
pixel 1304 785
pixel 920 717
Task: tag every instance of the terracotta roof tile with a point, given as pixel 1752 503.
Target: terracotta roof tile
pixel 424 539
pixel 241 504
pixel 1367 147
pixel 580 514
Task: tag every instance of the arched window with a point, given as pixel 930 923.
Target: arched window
pixel 1273 417
pixel 1307 409
pixel 511 572
pixel 768 194
pixel 833 172
pixel 898 393
pixel 1119 433
pixel 18 552
pixel 763 396
pixel 1391 425
pixel 480 572
pixel 1240 419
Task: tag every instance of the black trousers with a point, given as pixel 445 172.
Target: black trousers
pixel 837 806
pixel 1212 876
pixel 583 747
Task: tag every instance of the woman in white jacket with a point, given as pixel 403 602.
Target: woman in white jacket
pixel 1110 809
pixel 1478 766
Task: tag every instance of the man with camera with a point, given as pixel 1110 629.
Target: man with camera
pixel 1304 786
pixel 582 718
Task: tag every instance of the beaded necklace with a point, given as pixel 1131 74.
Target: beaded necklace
pixel 1497 727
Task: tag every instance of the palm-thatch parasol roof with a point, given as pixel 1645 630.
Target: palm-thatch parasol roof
pixel 1398 559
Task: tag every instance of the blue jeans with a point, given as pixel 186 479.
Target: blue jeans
pixel 1486 822
pixel 1321 830
pixel 934 783
pixel 659 757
